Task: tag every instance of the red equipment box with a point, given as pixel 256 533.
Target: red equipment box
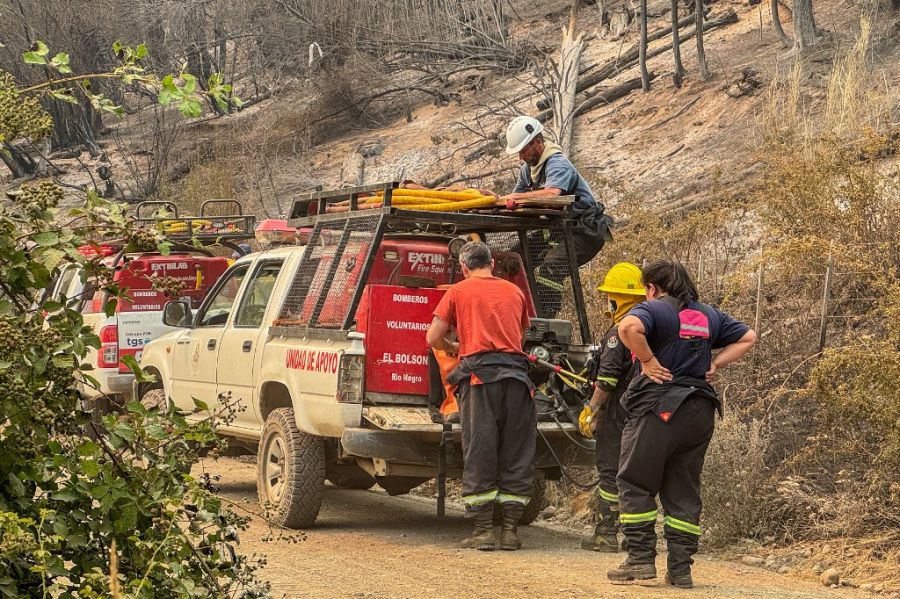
pixel 395 320
pixel 197 273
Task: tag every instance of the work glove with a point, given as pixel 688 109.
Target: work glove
pixel 586 422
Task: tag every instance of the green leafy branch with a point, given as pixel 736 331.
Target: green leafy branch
pixel 180 90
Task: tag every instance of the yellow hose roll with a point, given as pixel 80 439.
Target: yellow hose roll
pixel 478 202
pixel 407 200
pixel 456 196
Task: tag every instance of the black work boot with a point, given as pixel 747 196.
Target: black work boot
pixel 628 572
pixel 682 581
pixel 482 538
pixel 509 536
pixel 682 546
pixel 603 539
pixel 600 540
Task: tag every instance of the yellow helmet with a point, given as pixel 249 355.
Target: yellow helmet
pixel 623 278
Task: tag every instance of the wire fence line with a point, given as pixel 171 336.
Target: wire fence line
pixel 805 322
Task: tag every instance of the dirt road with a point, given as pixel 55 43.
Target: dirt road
pixel 369 545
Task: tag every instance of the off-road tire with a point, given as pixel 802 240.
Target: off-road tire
pixel 349 476
pixel 293 493
pixel 535 506
pixel 154 398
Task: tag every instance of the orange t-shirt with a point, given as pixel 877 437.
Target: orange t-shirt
pixel 489 315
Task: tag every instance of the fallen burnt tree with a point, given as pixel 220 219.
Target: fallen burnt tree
pixel 629 58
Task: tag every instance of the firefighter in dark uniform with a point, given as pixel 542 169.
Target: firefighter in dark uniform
pixel 671 415
pixel 603 418
pixel 497 411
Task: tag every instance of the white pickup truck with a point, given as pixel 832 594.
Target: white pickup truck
pixel 323 346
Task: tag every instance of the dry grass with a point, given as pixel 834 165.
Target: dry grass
pixel 207 181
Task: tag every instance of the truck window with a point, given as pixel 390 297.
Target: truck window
pixel 219 306
pixel 256 298
pixel 64 284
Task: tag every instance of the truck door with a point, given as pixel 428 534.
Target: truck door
pixel 241 342
pixel 194 362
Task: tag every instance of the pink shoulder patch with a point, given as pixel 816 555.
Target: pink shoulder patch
pixel 694 323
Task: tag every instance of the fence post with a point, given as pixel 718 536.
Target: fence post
pixel 826 298
pixel 700 272
pixel 757 319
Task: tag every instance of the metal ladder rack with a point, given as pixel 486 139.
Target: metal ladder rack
pixel 209 228
pixel 362 230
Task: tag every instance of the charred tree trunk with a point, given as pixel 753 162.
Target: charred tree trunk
pixel 17 160
pixel 199 60
pixel 75 124
pixel 676 46
pixel 603 9
pixel 804 25
pixel 642 55
pixel 701 53
pixel 221 56
pixel 776 22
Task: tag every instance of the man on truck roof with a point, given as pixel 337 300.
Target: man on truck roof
pixel 547 173
pixel 499 421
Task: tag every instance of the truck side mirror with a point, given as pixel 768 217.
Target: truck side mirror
pixel 177 313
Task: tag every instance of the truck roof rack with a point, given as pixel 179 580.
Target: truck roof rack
pixel 335 266
pixel 219 221
pixel 311 209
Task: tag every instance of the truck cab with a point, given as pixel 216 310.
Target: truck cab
pixel 321 346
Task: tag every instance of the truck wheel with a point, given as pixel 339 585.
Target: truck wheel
pixel 349 476
pixel 154 398
pixel 535 506
pixel 290 469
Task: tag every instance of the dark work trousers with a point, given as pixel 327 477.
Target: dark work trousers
pixel 665 459
pixel 499 430
pixel 608 437
pixel 547 254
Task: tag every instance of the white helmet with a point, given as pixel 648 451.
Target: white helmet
pixel 520 132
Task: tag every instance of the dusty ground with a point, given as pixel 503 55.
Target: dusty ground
pixel 366 544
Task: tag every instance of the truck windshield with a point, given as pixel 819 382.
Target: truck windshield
pixel 219 306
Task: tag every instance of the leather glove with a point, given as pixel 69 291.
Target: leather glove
pixel 585 422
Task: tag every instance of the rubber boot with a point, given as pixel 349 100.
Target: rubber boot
pixel 482 538
pixel 509 535
pixel 629 571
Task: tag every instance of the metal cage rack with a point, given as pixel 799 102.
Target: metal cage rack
pixel 219 220
pixel 330 279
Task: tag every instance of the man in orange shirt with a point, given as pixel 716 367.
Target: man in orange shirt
pixel 499 422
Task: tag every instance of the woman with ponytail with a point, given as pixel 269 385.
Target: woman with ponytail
pixel 671 409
